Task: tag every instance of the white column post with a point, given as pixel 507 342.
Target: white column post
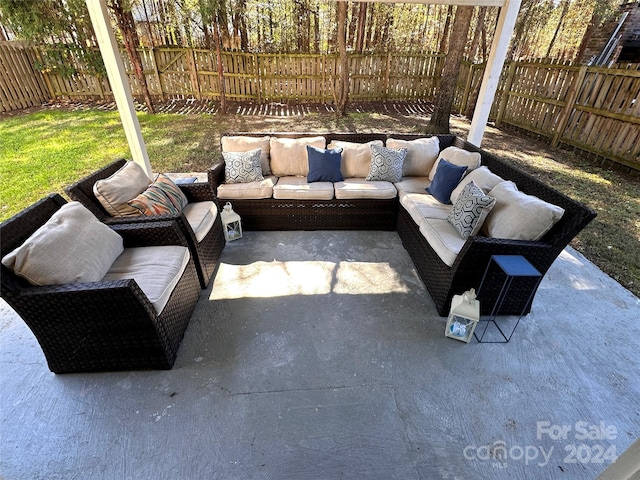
pixel 504 30
pixel 119 82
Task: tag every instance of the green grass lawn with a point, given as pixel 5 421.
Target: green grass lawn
pixel 44 151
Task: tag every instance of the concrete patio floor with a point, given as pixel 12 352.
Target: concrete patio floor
pixel 319 355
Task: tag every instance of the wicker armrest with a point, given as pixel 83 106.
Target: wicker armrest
pixel 198 191
pixel 150 234
pixel 216 174
pixel 98 301
pixel 145 221
pixel 476 252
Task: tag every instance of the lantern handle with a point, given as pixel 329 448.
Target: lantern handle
pixel 470 295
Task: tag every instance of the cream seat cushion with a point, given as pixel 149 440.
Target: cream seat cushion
pixel 361 188
pixel 443 238
pixel 412 185
pixel 251 190
pixel 289 155
pixel 201 217
pixel 459 157
pixel 246 144
pixel 518 216
pixel 114 192
pixel 297 188
pixel 156 270
pixel 72 246
pixel 423 205
pixel 421 155
pixel 356 157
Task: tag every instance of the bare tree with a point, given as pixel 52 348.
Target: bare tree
pixel 442 47
pixel 362 18
pixel 343 85
pixel 563 13
pixel 127 27
pixel 439 122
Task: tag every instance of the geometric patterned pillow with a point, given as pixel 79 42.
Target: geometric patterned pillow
pixel 386 164
pixel 470 210
pixel 172 191
pixel 242 167
pixel 153 201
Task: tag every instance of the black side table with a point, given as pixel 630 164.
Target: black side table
pixel 513 266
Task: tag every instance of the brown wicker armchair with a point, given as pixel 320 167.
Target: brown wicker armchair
pixel 206 251
pixel 104 325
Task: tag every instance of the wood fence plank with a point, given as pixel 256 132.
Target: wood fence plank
pixel 570 104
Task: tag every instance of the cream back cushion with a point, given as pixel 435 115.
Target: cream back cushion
pixel 243 144
pixel 114 192
pixel 459 157
pixel 519 216
pixel 422 153
pixel 482 177
pixel 73 246
pixel 356 157
pixel 289 155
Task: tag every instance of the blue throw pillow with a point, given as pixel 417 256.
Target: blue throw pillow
pixel 445 180
pixel 324 165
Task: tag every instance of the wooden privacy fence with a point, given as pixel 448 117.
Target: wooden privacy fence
pixel 21 85
pixel 591 108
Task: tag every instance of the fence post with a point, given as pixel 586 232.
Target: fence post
pixel 45 76
pixel 572 96
pixel 257 73
pixel 195 85
pixel 467 89
pixel 385 94
pixel 505 93
pixel 156 71
pixel 323 69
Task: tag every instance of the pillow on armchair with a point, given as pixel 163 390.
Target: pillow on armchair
pixel 154 201
pixel 72 246
pixel 114 192
pixel 172 191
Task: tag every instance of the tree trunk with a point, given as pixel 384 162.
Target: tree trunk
pixel 519 30
pixel 439 122
pixel 240 25
pixel 130 39
pixel 343 85
pixel 565 9
pixel 316 30
pixel 445 34
pixel 476 45
pixel 362 19
pixel 218 41
pixel 370 28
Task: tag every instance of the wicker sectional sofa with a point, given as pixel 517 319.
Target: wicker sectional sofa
pixel 410 211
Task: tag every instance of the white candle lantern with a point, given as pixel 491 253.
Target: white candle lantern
pixel 231 223
pixel 463 317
